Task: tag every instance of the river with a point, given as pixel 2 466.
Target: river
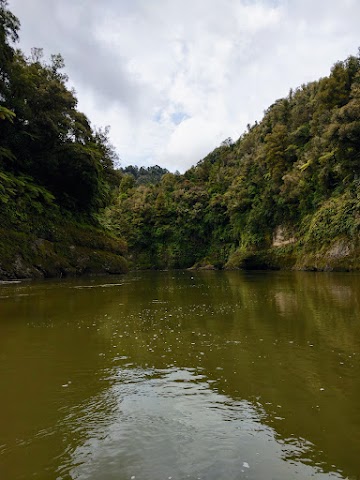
pixel 181 375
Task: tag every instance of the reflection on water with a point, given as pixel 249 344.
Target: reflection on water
pixel 181 375
pixel 171 424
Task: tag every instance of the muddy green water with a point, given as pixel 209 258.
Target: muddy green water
pixel 181 375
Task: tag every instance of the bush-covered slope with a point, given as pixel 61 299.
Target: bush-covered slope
pixel 56 172
pixel 286 194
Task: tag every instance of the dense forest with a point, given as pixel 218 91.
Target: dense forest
pixel 286 194
pixel 56 172
pixel 144 175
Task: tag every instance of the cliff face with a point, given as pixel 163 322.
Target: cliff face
pixel 340 255
pixel 76 251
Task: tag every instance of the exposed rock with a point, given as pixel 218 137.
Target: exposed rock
pixel 207 267
pixel 282 236
pixel 339 249
pixel 25 256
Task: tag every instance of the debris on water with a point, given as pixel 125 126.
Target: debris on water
pixel 322 389
pixel 5 282
pixel 98 286
pixel 246 465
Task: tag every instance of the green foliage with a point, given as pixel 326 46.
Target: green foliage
pixel 56 172
pixel 145 176
pixel 9 27
pixel 6 114
pixel 297 169
pixel 42 133
pixel 20 197
pixel 76 251
pixel 338 217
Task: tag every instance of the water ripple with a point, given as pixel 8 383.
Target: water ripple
pixel 161 423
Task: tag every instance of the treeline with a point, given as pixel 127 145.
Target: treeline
pixel 49 154
pixel 56 171
pixel 286 193
pixel 144 175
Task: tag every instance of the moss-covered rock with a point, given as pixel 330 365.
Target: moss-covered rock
pixel 24 255
pixel 342 254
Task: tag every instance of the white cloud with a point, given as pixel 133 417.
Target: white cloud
pixel 173 79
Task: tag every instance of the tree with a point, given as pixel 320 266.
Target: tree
pixel 9 28
pixel 228 142
pixel 45 137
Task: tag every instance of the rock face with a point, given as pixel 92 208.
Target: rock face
pixel 282 236
pixel 341 255
pixel 286 253
pixel 339 249
pixel 25 256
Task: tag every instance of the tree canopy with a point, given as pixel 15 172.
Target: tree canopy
pixel 298 170
pixel 44 139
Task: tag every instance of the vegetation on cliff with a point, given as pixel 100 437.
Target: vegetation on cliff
pixel 285 194
pixel 56 172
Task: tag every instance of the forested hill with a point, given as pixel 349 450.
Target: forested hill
pixel 56 172
pixel 286 194
pixel 144 175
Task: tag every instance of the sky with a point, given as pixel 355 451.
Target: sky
pixel 174 78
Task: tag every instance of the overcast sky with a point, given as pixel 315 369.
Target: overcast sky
pixel 173 78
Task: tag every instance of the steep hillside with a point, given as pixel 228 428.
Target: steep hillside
pixel 286 194
pixel 56 172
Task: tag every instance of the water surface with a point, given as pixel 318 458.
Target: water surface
pixel 181 375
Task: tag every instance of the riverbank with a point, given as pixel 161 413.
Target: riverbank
pixel 70 249
pixel 33 258
pixel 341 255
pixel 65 250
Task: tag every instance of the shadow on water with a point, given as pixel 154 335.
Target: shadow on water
pixel 181 374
